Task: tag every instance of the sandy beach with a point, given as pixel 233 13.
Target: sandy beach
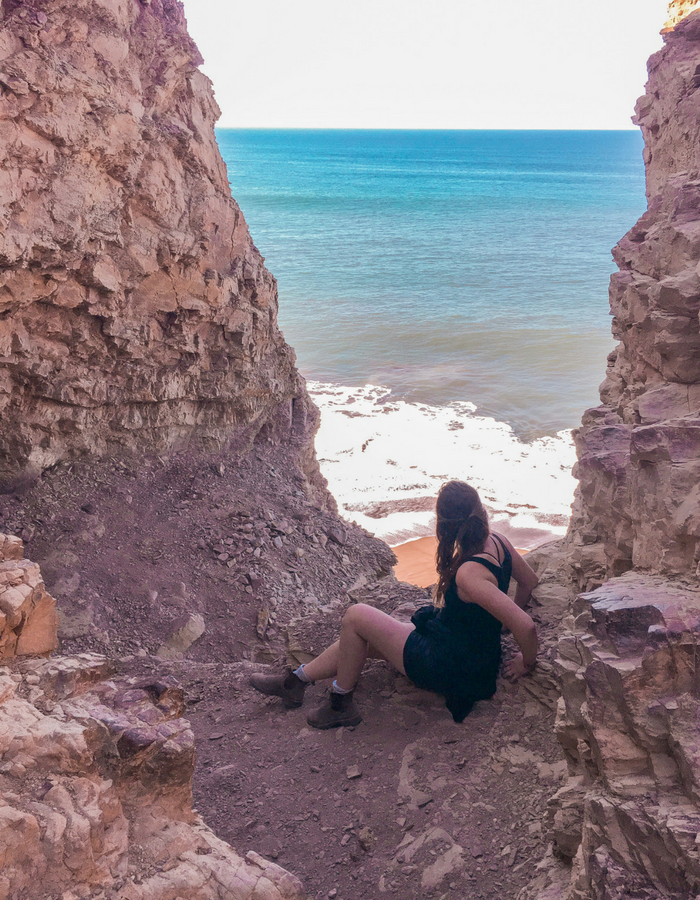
pixel 416 561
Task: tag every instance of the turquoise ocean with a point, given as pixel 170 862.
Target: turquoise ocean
pixel 446 295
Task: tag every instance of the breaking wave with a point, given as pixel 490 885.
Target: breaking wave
pixel 385 460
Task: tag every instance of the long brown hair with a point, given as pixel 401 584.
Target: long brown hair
pixel 462 528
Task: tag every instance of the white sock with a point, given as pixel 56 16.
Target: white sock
pixel 301 675
pixel 339 690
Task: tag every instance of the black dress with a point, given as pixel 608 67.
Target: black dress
pixel 456 650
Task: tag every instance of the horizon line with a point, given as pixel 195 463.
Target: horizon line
pixel 634 128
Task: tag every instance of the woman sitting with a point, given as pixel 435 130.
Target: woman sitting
pixel 452 647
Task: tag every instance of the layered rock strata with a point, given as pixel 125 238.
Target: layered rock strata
pixel 135 310
pixel 638 503
pixel 629 815
pixel 95 779
pixel 627 820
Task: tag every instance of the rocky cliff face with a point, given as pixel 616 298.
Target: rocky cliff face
pixel 136 317
pixel 627 818
pixel 626 822
pixel 135 310
pixel 639 452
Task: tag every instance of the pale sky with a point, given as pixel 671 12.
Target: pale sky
pixel 418 64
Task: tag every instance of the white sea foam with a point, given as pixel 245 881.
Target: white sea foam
pixel 385 460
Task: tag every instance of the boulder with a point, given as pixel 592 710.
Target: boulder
pixel 184 633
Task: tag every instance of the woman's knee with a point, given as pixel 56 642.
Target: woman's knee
pixel 357 615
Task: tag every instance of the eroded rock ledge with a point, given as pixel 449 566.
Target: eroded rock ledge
pixel 135 310
pixel 96 789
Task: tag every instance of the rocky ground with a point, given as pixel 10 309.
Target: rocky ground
pixel 407 803
pixel 206 569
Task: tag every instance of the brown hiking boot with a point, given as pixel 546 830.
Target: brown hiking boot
pixel 336 710
pixel 286 686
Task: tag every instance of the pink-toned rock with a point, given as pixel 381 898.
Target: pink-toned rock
pixel 96 775
pixel 28 619
pixel 70 676
pixel 628 816
pixel 627 821
pixel 638 504
pixel 11 547
pixel 136 311
pixel 97 797
pixel 39 633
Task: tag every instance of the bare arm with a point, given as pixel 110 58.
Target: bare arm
pixel 475 584
pixel 523 574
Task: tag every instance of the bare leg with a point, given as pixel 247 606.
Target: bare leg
pixel 366 632
pixel 365 628
pixel 325 665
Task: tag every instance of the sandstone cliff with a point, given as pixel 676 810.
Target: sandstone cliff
pixel 639 452
pixel 135 311
pixel 627 821
pixel 136 314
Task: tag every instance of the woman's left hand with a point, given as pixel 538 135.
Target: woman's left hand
pixel 515 668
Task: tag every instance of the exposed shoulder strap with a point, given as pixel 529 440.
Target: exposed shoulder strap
pixel 493 567
pixel 506 551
